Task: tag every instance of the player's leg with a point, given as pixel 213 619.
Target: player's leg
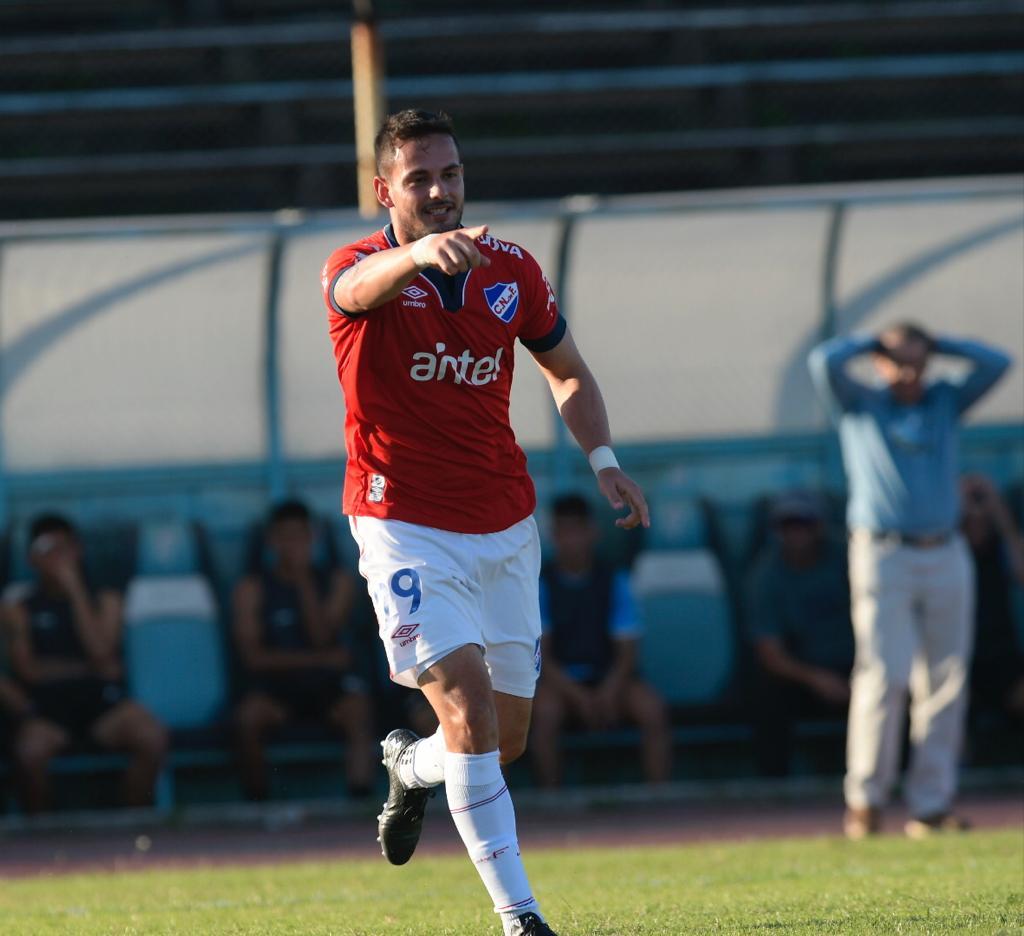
pixel 647 710
pixel 549 717
pixel 256 714
pixel 939 685
pixel 882 592
pixel 352 716
pixel 36 742
pixel 423 588
pixel 459 689
pixel 482 809
pixel 129 727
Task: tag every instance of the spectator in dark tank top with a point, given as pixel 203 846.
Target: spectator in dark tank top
pixel 589 649
pixel 289 619
pixel 64 643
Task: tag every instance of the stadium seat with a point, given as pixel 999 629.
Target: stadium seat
pixel 173 651
pixel 167 547
pixel 677 522
pixel 689 647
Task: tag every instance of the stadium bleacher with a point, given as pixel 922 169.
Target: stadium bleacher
pixel 158 107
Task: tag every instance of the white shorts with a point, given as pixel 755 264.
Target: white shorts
pixel 435 591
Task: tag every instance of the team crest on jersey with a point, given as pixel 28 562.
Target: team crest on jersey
pixel 503 299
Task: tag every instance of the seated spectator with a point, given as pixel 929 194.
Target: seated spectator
pixel 799 619
pixel 64 642
pixel 288 624
pixel 997 670
pixel 589 651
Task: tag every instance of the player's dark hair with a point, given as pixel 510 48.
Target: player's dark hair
pixel 571 506
pixel 410 124
pixel 50 523
pixel 293 509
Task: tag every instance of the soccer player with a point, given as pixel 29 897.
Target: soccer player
pixel 423 316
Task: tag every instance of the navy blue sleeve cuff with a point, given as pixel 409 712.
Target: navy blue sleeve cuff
pixel 549 341
pixel 330 294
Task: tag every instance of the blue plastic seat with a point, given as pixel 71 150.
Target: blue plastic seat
pixel 173 651
pixel 689 648
pixel 167 547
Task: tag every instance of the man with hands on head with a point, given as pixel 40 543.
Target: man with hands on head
pixel 911 579
pixel 64 643
pixel 424 316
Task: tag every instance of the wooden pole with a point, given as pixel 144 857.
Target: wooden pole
pixel 368 99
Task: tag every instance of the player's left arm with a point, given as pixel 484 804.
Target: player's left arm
pixel 579 401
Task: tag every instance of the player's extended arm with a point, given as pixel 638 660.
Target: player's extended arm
pixel 581 406
pixel 380 277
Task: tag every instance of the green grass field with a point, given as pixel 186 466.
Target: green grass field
pixel 966 884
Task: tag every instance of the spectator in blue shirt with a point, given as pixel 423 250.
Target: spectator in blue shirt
pixel 799 627
pixel 589 643
pixel 911 577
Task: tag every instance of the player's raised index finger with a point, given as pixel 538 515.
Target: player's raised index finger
pixel 474 232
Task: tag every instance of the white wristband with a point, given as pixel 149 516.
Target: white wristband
pixel 419 250
pixel 602 457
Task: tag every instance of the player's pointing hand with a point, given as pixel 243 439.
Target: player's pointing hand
pixel 451 252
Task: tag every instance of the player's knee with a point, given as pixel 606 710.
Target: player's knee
pixel 473 727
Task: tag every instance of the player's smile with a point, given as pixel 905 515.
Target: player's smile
pixel 442 215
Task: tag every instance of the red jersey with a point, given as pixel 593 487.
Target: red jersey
pixel 426 379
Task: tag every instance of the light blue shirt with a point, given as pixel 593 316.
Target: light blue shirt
pixel 902 462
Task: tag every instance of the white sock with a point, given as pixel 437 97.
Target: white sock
pixel 482 810
pixel 423 765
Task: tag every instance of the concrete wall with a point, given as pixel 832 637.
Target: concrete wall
pixel 151 349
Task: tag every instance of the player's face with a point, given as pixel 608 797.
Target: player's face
pixel 423 188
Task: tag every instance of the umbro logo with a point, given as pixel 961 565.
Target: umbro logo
pixel 405 634
pixel 414 296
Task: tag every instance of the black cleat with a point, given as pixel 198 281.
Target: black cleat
pixel 529 924
pixel 400 823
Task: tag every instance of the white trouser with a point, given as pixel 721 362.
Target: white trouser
pixel 913 614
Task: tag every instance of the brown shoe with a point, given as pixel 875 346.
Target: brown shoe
pixel 860 822
pixel 925 826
